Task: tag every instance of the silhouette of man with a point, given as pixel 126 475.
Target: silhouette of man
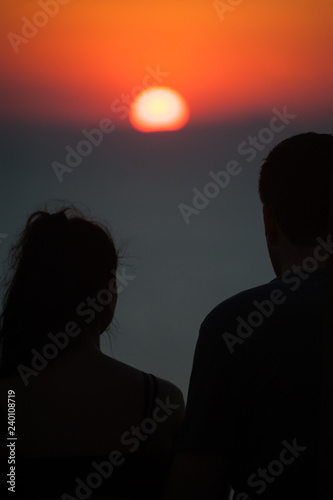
pixel 251 420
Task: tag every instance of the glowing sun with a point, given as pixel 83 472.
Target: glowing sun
pixel 158 108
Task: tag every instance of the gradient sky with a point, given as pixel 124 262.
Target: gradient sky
pixel 225 64
pixel 233 72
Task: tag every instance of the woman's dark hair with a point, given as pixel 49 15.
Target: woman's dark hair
pixel 295 181
pixel 60 259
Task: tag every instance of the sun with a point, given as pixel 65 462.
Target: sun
pixel 158 109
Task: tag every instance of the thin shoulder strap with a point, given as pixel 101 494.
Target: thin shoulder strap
pixel 150 394
pixel 153 392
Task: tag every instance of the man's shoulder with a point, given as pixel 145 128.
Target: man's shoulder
pixel 288 289
pixel 240 301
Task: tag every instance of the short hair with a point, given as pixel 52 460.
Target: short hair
pixel 295 181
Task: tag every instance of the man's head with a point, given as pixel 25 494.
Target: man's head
pixel 294 187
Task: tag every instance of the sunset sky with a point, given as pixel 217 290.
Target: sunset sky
pixel 225 62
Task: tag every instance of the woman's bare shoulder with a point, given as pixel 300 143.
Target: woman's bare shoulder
pixel 167 391
pixel 170 393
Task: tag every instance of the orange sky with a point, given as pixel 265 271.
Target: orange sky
pixel 93 53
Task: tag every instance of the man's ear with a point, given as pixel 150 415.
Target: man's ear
pixel 271 227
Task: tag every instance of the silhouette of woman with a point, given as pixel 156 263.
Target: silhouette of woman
pixel 87 425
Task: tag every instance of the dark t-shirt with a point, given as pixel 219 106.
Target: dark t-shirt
pixel 254 388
